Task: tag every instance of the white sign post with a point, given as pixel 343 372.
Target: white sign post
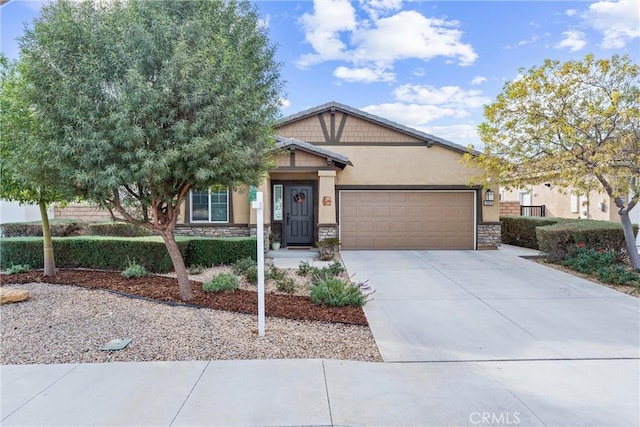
pixel 258 205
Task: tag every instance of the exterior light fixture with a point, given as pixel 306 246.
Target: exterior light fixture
pixel 488 198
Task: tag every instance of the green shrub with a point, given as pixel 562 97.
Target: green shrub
pixel 118 229
pixel 276 273
pixel 242 265
pixel 58 227
pixel 286 284
pixel 219 251
pixel 251 275
pixel 105 253
pixel 304 268
pixel 335 292
pixel 111 253
pixel 222 283
pixel 588 261
pixel 618 274
pixel 18 268
pixel 521 230
pixel 336 268
pixel 319 275
pixel 561 240
pixel 134 270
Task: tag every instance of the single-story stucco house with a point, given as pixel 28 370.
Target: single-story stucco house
pixel 370 182
pixel 348 174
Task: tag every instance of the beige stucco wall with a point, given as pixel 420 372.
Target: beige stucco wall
pixel 326 197
pixel 558 204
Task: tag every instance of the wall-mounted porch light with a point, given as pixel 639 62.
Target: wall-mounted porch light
pixel 488 198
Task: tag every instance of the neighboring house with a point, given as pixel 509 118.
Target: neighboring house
pixel 562 204
pixel 370 182
pixel 596 205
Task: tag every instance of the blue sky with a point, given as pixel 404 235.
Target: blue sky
pixel 430 65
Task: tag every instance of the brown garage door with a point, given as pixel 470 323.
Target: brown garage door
pixel 406 220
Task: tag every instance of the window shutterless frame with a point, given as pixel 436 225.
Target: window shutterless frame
pixel 210 206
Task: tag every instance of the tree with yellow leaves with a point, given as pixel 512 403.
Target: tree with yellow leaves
pixel 576 124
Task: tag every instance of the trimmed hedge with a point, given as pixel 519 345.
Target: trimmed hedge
pixel 521 230
pixel 206 251
pixel 59 228
pixel 119 229
pixel 561 240
pixel 115 253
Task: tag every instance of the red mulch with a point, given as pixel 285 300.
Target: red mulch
pixel 165 289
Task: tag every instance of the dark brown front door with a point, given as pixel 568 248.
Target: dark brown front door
pixel 298 214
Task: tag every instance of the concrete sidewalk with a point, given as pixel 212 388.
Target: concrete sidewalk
pixel 322 393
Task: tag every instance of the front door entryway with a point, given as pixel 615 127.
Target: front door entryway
pixel 298 215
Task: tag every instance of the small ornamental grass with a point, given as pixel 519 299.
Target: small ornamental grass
pixel 304 268
pixel 18 268
pixel 336 292
pixel 222 282
pixel 286 284
pixel 134 270
pixel 248 268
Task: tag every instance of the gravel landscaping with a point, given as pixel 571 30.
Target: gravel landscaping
pixel 69 324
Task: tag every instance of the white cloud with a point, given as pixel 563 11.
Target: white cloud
pixel 449 96
pixel 420 72
pixel 375 8
pixel 323 28
pixel 570 12
pixel 408 34
pixel 478 80
pixel 619 21
pixel 363 75
pixel 573 40
pixel 336 33
pixel 413 115
pixel 534 38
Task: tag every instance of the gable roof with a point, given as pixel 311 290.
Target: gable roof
pixel 340 159
pixel 336 106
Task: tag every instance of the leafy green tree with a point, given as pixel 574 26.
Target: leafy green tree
pixel 27 174
pixel 153 99
pixel 576 124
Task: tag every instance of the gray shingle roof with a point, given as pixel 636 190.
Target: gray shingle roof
pixel 428 138
pixel 283 142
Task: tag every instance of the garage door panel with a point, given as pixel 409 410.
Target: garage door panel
pixel 407 220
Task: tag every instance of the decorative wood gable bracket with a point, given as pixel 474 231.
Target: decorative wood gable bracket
pixel 330 134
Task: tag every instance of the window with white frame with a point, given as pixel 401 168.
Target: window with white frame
pixel 210 206
pixel 575 203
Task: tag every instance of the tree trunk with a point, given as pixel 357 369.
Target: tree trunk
pixel 49 260
pixel 178 265
pixel 630 239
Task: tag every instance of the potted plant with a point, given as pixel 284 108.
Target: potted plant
pixel 274 240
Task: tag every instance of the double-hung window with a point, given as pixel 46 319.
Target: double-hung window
pixel 210 206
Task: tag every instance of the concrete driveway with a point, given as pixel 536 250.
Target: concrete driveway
pixel 488 306
pixel 564 348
